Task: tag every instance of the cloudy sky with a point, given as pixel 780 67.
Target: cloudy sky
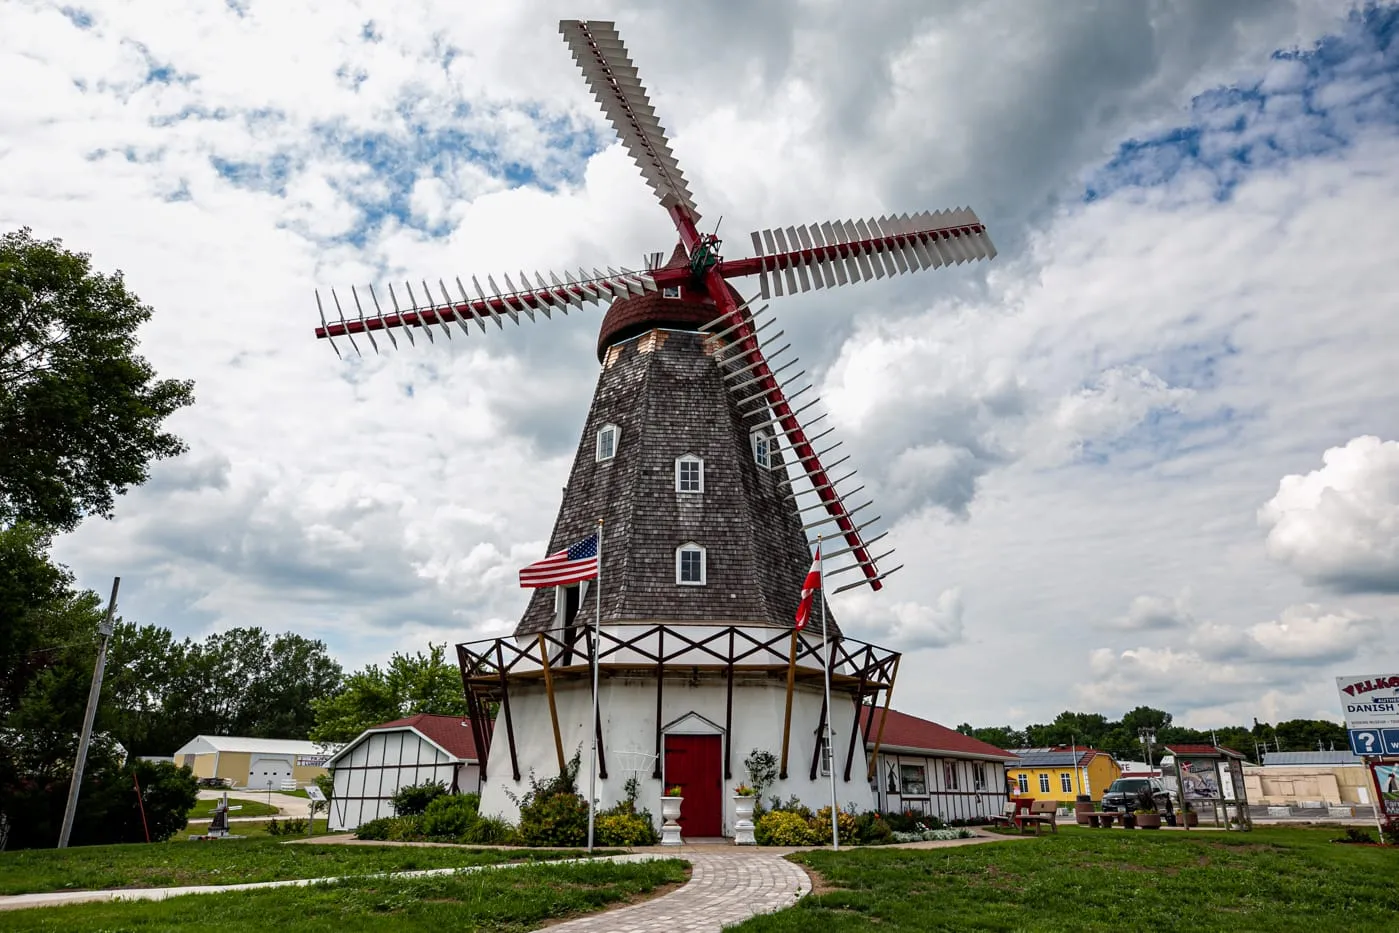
pixel 1147 455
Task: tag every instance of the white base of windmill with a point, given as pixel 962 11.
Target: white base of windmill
pixel 743 821
pixel 670 828
pixel 693 703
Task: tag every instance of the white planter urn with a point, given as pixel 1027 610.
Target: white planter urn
pixel 670 825
pixel 743 821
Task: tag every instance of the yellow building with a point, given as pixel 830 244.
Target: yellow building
pixel 1061 773
pixel 258 764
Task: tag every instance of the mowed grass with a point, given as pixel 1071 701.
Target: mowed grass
pixel 204 809
pixel 230 861
pixel 507 899
pixel 1084 879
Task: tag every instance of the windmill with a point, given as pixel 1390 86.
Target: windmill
pixel 704 464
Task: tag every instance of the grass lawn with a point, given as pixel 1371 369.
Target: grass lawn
pixel 204 809
pixel 234 861
pixel 1273 879
pixel 507 900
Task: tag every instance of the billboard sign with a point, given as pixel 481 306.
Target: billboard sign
pixel 1370 701
pixel 1387 780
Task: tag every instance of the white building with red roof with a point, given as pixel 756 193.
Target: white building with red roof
pixel 924 767
pixel 370 770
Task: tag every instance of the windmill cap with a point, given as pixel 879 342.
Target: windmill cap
pixel 630 317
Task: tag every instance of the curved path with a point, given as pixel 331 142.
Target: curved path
pixel 727 884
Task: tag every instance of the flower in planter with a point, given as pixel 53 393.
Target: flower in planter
pixel 743 790
pixel 674 791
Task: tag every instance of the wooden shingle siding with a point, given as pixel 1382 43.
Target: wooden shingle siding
pixel 666 391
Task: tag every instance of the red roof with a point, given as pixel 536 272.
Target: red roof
pixel 1218 751
pixel 924 735
pixel 451 732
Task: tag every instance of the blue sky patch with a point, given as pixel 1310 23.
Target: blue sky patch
pixel 1308 103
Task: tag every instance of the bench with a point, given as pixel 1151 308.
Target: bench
pixel 1006 816
pixel 1042 813
pixel 1100 820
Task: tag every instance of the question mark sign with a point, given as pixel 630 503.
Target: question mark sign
pixel 1369 739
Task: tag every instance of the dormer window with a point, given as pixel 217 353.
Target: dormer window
pixel 689 474
pixel 764 446
pixel 690 567
pixel 607 437
pixel 670 291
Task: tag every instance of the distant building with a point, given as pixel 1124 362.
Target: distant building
pixel 1296 778
pixel 931 769
pixel 256 764
pixel 1062 772
pixel 370 769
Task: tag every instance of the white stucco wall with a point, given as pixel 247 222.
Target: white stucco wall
pixel 628 710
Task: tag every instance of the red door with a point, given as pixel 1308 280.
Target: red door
pixel 692 763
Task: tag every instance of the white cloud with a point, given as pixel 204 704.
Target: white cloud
pixel 1339 526
pixel 1148 613
pixel 1099 410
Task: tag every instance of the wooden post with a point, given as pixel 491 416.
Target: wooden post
pixel 859 702
pixel 505 711
pixel 553 709
pixel 820 741
pixel 729 713
pixel 660 681
pixel 879 736
pixel 787 716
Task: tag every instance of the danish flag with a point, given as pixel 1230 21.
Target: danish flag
pixel 809 588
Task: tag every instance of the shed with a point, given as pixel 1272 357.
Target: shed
pixel 369 770
pixel 925 767
pixel 257 764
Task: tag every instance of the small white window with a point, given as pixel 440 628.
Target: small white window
pixel 670 291
pixel 689 474
pixel 689 565
pixel 763 447
pixel 979 776
pixel 607 437
pixel 1066 783
pixel 1023 783
pixel 1044 783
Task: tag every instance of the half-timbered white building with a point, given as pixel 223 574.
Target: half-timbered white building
pixel 927 768
pixel 393 755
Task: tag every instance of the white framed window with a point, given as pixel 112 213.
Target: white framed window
pixel 670 291
pixel 1066 783
pixel 949 775
pixel 689 474
pixel 690 569
pixel 914 780
pixel 978 776
pixel 608 437
pixel 1023 782
pixel 764 446
pixel 1044 783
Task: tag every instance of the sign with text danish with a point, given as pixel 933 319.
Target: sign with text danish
pixel 1371 702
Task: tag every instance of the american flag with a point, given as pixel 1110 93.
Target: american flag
pixel 574 564
pixel 809 588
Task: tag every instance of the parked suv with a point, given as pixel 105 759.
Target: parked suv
pixel 1122 794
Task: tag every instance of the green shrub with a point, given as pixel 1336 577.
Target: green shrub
pixel 489 831
pixel 288 827
pixel 450 816
pixel 406 829
pixel 414 799
pixel 559 819
pixel 871 829
pixel 626 829
pixel 377 830
pixel 821 826
pixel 784 828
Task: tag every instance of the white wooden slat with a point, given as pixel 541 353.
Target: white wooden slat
pixel 798 263
pixel 787 271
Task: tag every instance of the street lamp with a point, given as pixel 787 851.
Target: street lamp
pixel 1148 736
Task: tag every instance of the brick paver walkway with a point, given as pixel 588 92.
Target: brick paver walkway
pixel 727 884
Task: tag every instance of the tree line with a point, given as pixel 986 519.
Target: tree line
pixel 1122 737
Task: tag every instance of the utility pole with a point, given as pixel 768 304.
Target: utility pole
pixel 1148 736
pixel 93 695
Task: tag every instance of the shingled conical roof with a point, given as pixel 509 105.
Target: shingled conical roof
pixel 665 392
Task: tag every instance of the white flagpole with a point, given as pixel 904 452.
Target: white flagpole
pixel 830 712
pixel 592 726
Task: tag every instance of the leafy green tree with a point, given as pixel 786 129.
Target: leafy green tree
pixel 80 411
pixel 412 684
pixel 1003 737
pixel 1309 735
pixel 35 595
